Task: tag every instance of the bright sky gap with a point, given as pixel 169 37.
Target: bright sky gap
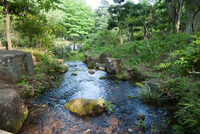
pixel 95 3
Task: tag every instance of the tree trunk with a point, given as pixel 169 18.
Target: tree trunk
pixel 191 14
pixel 147 38
pixel 120 36
pixel 30 41
pixel 144 32
pixel 74 43
pixel 189 22
pixel 131 30
pixel 8 25
pixel 176 14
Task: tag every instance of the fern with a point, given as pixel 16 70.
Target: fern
pixel 107 104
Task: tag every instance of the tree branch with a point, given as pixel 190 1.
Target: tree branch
pixel 193 72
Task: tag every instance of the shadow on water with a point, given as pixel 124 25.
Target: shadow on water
pixel 48 115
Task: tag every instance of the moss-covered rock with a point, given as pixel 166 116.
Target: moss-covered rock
pixel 75 74
pixel 85 107
pixel 102 77
pixel 139 84
pixel 91 65
pixel 62 68
pixel 13 111
pixel 124 75
pixel 160 59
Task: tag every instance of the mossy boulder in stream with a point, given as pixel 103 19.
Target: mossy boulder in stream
pixel 84 107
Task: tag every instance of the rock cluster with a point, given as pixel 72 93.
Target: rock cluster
pixel 105 62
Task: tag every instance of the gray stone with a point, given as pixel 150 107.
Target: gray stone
pixel 103 56
pixel 13 111
pixel 15 64
pixel 113 65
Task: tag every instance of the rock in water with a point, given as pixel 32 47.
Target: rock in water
pixel 13 111
pixel 91 71
pixel 85 107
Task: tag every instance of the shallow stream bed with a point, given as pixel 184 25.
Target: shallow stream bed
pixel 47 114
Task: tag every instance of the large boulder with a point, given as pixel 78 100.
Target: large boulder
pixel 91 65
pixel 13 111
pixel 103 56
pixel 113 65
pixel 90 58
pixel 14 64
pixel 85 107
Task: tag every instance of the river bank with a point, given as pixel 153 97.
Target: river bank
pixel 20 81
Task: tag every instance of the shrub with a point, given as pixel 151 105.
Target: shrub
pixel 151 95
pixel 188 116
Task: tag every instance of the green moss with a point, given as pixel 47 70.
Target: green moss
pixel 102 77
pixel 130 96
pixel 117 81
pixel 84 107
pixel 139 84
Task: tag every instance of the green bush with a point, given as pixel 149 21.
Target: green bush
pixel 188 116
pixel 151 95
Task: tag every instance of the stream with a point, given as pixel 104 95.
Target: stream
pixel 47 114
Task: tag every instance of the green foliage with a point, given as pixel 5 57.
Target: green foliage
pixel 107 104
pixel 46 77
pixel 188 116
pixel 177 87
pixel 141 124
pixel 79 19
pixel 151 95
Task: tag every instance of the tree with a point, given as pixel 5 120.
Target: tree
pixel 79 19
pixel 102 16
pixel 118 15
pixel 6 11
pixel 21 7
pixel 175 8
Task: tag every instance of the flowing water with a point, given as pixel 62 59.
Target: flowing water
pixel 47 114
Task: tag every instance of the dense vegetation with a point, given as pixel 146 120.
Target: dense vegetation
pixel 135 33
